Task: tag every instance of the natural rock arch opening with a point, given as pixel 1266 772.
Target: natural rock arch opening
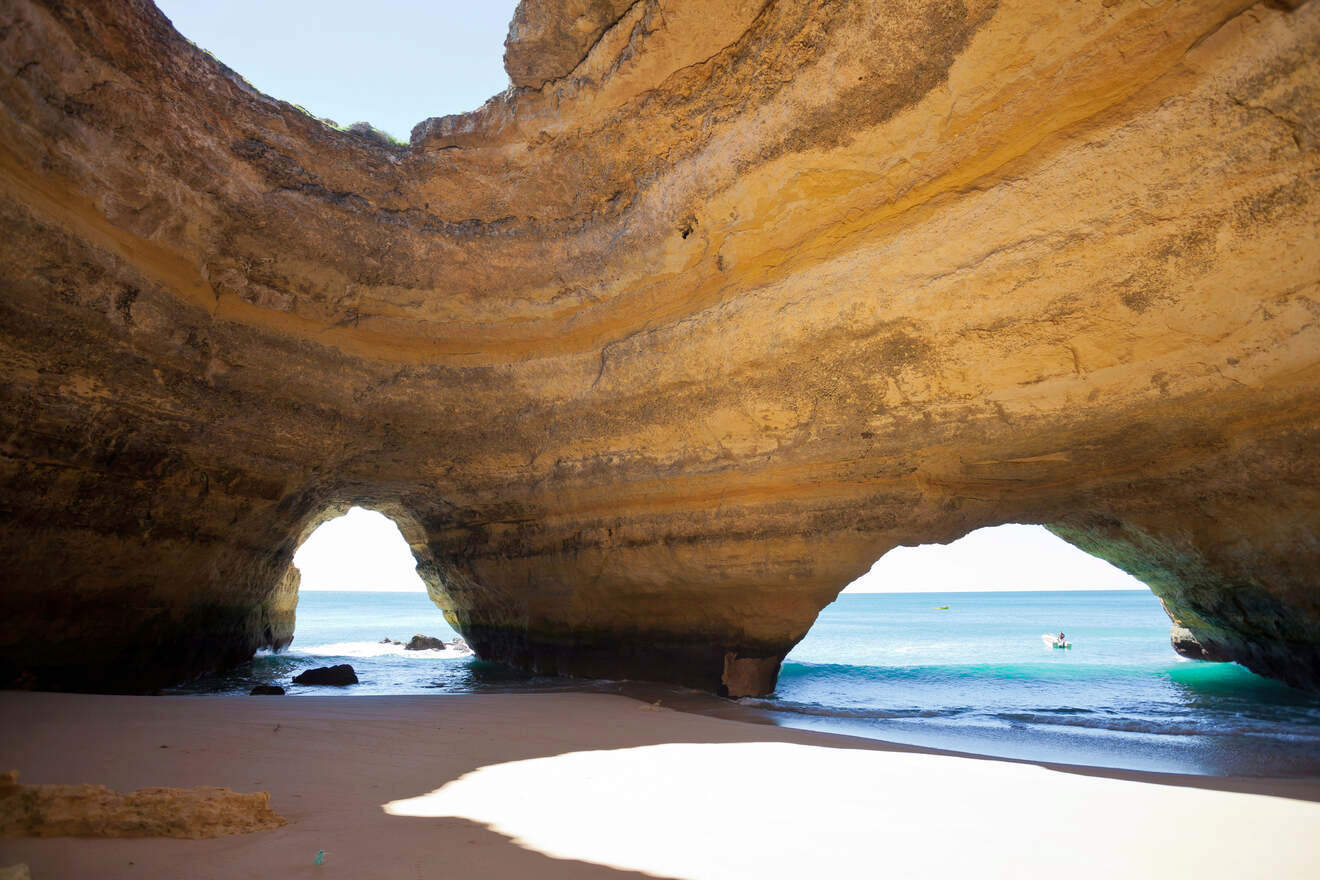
pixel 1014 561
pixel 1202 625
pixel 384 528
pixel 971 560
pixel 967 669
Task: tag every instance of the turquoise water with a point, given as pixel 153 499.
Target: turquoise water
pixel 336 627
pixel 975 678
pixel 979 678
pixel 347 627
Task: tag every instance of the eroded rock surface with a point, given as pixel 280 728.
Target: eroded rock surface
pixel 651 359
pixel 96 811
pixel 548 38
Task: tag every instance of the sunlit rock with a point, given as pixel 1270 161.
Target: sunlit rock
pixel 96 811
pixel 652 356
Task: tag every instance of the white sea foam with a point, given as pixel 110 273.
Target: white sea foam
pixel 378 649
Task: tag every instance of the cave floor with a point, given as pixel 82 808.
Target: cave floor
pixel 595 786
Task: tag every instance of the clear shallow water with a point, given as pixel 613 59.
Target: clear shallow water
pixel 978 677
pixel 347 627
pixel 974 678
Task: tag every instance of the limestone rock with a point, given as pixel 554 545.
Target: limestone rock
pixel 343 674
pixel 96 811
pixel 650 357
pixel 548 38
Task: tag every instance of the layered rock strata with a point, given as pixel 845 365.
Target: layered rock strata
pixel 96 811
pixel 656 351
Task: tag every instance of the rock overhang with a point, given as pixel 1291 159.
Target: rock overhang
pixel 650 358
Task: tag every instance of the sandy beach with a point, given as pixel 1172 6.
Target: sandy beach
pixel 595 786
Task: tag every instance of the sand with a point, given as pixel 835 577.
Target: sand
pixel 597 786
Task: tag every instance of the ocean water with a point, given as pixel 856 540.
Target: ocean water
pixel 335 627
pixel 976 677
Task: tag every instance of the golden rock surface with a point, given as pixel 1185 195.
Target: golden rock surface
pixel 653 354
pixel 96 811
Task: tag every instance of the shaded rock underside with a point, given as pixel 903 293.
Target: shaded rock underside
pixel 656 351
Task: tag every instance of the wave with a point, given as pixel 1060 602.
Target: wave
pixel 376 649
pixel 1209 727
pixel 838 712
pixel 1062 716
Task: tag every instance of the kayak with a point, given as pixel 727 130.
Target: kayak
pixel 1053 641
pixel 941 607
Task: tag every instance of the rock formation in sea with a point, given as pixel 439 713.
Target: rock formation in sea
pixel 654 352
pixel 420 642
pixel 343 674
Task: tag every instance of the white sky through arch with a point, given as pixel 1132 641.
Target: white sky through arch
pixel 1007 557
pixel 362 550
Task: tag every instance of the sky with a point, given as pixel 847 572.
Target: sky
pixel 364 550
pixel 1007 557
pixel 392 63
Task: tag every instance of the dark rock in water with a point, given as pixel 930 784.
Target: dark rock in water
pixel 424 643
pixel 341 674
pixel 272 690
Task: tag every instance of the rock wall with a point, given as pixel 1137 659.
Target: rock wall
pixel 656 351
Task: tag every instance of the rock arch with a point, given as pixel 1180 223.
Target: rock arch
pixel 662 348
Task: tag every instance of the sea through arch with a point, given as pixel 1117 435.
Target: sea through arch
pixel 983 600
pixel 358 591
pixel 941 646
